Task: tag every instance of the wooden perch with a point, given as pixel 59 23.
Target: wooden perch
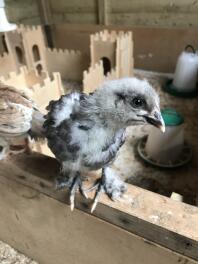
pixel 37 220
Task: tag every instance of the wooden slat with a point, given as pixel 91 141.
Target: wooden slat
pixel 74 6
pixel 163 12
pixel 149 215
pixel 23 11
pixel 162 6
pixel 83 18
pixel 155 19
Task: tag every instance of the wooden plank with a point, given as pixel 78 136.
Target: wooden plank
pixel 155 48
pixel 155 19
pixel 83 18
pixel 132 11
pixel 45 229
pixel 149 215
pixel 162 6
pixel 23 11
pixel 75 6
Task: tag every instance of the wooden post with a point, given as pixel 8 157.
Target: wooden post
pixel 46 19
pixel 103 12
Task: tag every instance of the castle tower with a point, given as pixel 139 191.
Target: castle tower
pixel 34 46
pixel 115 50
pixel 124 55
pixel 26 46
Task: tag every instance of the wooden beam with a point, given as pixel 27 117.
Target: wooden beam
pixel 156 218
pixel 45 12
pixel 103 12
pixel 46 19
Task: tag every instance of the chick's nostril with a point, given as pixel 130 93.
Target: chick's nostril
pixel 157 115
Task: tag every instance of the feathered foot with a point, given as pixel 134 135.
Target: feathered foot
pixel 111 184
pixel 74 184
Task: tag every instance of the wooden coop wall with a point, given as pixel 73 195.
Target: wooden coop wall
pixel 23 11
pixel 110 12
pixel 149 42
pixel 126 12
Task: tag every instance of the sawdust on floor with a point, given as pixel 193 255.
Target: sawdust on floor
pixel 8 255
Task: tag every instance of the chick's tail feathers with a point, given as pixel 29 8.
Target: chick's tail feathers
pixel 37 131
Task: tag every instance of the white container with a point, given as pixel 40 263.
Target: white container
pixel 166 147
pixel 185 77
pixel 4 24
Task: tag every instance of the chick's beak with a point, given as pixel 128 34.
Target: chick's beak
pixel 156 120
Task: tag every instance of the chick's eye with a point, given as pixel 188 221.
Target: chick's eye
pixel 137 102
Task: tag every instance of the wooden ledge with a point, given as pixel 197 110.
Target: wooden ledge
pixel 161 220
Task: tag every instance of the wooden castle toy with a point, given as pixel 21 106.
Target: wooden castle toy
pixel 115 51
pixel 29 65
pixel 40 88
pixel 26 46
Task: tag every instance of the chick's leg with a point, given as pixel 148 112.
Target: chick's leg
pixel 111 184
pixel 4 148
pixel 74 182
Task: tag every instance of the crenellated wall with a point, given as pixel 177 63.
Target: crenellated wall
pixel 111 58
pixel 6 64
pixel 26 46
pixel 94 77
pixel 115 49
pixel 69 63
pixel 103 45
pixel 41 88
pixel 34 46
pixel 48 89
pixel 124 54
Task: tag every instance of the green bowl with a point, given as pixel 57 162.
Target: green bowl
pixel 170 88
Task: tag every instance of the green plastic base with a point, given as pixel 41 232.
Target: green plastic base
pixel 170 88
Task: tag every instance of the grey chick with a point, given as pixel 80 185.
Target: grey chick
pixel 85 132
pixel 18 118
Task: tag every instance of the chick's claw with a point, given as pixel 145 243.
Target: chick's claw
pixel 111 184
pixel 74 184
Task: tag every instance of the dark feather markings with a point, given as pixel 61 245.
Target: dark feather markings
pixel 60 137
